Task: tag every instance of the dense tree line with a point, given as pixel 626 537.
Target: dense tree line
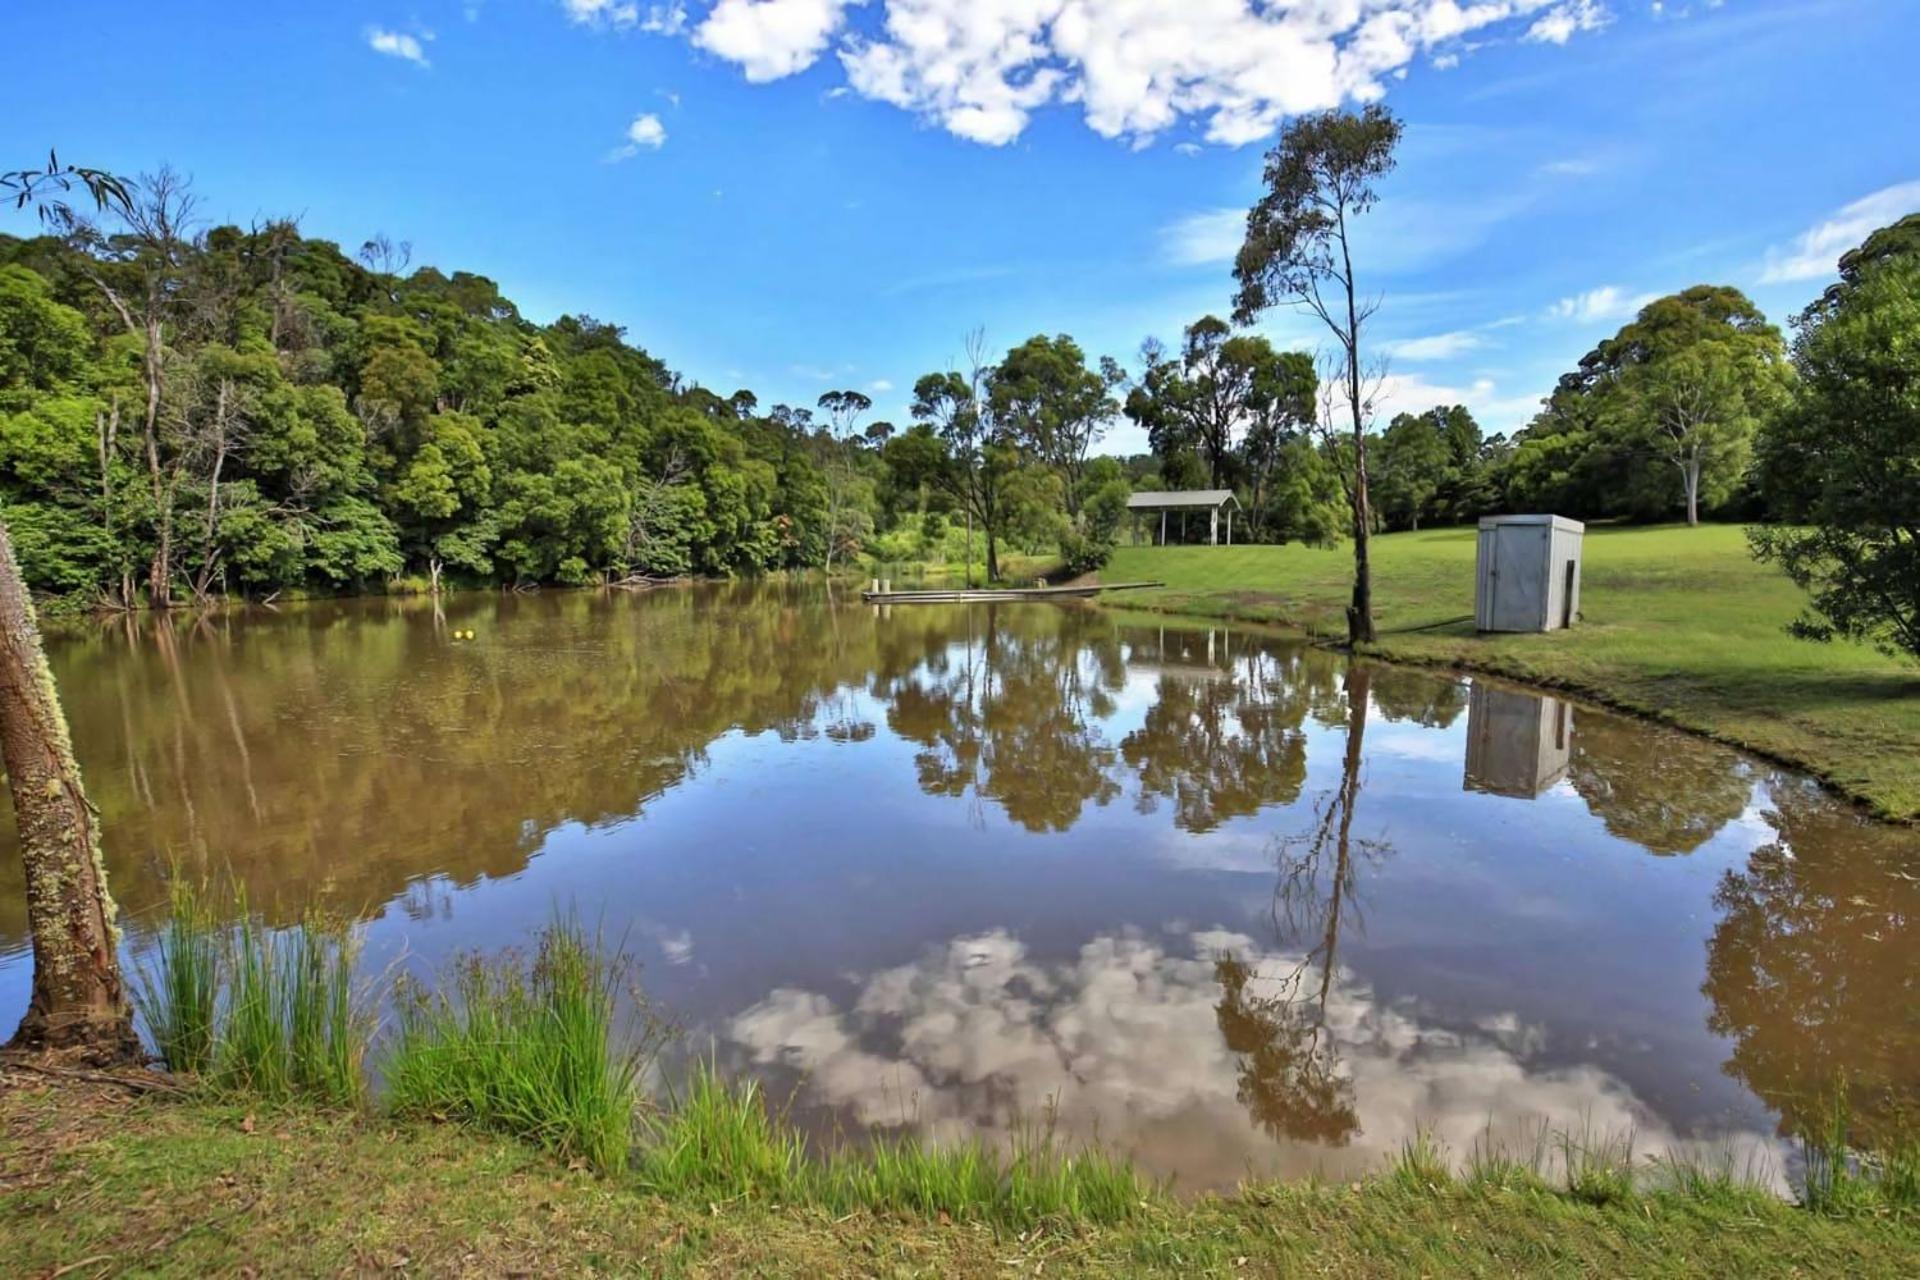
pixel 194 411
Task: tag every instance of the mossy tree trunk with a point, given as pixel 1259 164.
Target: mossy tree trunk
pixel 79 1000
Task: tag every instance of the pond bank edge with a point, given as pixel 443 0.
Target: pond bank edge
pixel 1383 651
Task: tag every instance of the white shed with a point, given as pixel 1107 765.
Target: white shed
pixel 1528 573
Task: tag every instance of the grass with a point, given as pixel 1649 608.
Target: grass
pixel 536 1052
pixel 107 1184
pixel 721 1142
pixel 269 1013
pixel 1679 624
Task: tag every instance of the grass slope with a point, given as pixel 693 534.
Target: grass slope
pixel 1677 623
pixel 94 1184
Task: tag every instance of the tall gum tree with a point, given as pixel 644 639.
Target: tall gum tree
pixel 1299 249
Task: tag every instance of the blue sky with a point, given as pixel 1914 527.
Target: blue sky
pixel 794 195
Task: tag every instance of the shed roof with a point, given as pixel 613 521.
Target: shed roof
pixel 1181 498
pixel 1558 522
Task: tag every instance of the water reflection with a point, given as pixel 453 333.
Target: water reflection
pixel 1222 894
pixel 1518 743
pixel 1814 968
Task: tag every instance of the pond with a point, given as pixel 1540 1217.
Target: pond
pixel 1224 901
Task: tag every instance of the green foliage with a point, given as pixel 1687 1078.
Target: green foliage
pixel 531 1050
pixel 1842 462
pixel 1658 419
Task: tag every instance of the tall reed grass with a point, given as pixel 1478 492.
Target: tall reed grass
pixel 177 991
pixel 1841 1179
pixel 252 1009
pixel 533 1051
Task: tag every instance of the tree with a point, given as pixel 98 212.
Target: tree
pixel 1299 248
pixel 1200 401
pixel 848 493
pixel 1662 414
pixel 1842 461
pixel 1696 374
pixel 1280 408
pixel 977 453
pixel 1054 406
pixel 1413 464
pixel 143 275
pixel 79 999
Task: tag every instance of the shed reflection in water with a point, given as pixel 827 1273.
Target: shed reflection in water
pixel 1221 897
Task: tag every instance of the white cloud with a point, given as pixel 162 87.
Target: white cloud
pixel 1816 252
pixel 981 68
pixel 771 39
pixel 1560 23
pixel 1203 238
pixel 1439 346
pixel 398 44
pixel 645 133
pixel 612 13
pixel 1608 302
pixel 879 386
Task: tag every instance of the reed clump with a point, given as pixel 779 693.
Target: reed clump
pixel 534 1050
pixel 249 1008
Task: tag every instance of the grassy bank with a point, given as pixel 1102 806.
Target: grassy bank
pixel 1677 623
pixel 105 1184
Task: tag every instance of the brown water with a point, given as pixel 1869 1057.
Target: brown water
pixel 1223 900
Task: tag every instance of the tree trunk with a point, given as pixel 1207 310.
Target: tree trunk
pixel 79 999
pixel 1360 612
pixel 1692 473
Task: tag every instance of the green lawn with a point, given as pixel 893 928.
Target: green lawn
pixel 92 1184
pixel 1677 623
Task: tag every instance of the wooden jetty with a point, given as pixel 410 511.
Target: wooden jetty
pixel 880 594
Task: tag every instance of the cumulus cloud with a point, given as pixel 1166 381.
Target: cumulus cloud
pixel 398 44
pixel 1123 1040
pixel 645 133
pixel 1608 302
pixel 981 68
pixel 1815 253
pixel 771 39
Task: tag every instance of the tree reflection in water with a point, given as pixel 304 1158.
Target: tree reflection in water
pixel 1811 968
pixel 1290 1079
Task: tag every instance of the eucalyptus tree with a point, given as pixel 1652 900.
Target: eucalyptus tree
pixel 975 453
pixel 1299 249
pixel 848 522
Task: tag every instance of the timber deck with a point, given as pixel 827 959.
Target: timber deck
pixel 998 595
